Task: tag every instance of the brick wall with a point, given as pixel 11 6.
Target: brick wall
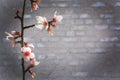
pixel 85 47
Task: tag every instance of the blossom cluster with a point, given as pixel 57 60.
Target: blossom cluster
pixel 28 55
pixel 27 50
pixel 44 24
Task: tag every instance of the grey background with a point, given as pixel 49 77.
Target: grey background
pixel 85 47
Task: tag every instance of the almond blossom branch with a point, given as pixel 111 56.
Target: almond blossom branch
pixel 27 48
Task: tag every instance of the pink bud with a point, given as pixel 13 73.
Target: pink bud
pixel 15 33
pixel 34 6
pixel 19 10
pixel 33 74
pixel 18 33
pixel 26 44
pixel 55 19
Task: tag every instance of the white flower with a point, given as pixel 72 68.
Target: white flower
pixel 26 53
pixel 11 38
pixel 57 18
pixel 42 23
pixel 32 55
pixel 26 58
pixel 34 62
pixel 29 56
pixel 15 33
pixel 25 49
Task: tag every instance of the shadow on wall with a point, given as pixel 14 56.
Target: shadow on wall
pixel 101 40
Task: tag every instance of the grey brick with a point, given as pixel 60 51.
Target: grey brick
pixel 70 39
pixel 84 16
pixel 79 22
pixel 89 39
pixel 78 27
pixel 106 15
pixel 111 39
pixel 117 4
pixel 78 50
pixel 88 21
pixel 80 33
pixel 88 44
pixel 101 27
pixel 104 45
pixel 117 28
pixel 80 74
pixel 70 33
pixel 98 4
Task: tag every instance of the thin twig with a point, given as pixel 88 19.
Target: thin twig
pixel 18 16
pixel 29 26
pixel 22 38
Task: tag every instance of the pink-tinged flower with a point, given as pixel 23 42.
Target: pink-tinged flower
pixel 34 6
pixel 34 62
pixel 42 23
pixel 57 18
pixel 29 56
pixel 26 44
pixel 26 52
pixel 11 38
pixel 15 33
pixel 25 49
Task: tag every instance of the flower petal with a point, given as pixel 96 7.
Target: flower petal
pixel 57 18
pixel 26 58
pixel 32 55
pixel 10 35
pixel 24 49
pixel 39 19
pixel 39 26
pixel 36 63
pixel 26 44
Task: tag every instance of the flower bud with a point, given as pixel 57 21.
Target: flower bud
pixel 50 31
pixel 33 74
pixel 19 10
pixel 34 6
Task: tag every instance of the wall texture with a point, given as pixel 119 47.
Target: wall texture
pixel 85 47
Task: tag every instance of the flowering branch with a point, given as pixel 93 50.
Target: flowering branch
pixel 26 47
